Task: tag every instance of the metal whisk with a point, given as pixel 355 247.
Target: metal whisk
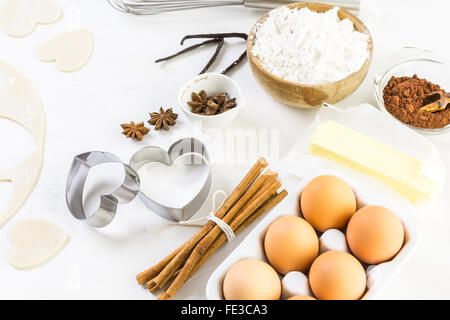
pixel 144 7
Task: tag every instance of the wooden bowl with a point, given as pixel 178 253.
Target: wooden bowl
pixel 303 95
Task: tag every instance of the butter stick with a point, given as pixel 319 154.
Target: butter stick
pixel 350 148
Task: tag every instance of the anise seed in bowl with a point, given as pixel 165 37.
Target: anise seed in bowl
pixel 203 104
pixel 211 100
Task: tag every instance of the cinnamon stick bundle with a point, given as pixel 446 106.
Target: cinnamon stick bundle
pixel 249 178
pixel 254 196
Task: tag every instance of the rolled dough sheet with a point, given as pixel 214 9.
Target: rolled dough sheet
pixel 19 18
pixel 35 242
pixel 70 50
pixel 20 103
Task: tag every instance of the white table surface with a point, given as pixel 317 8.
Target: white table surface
pixel 121 83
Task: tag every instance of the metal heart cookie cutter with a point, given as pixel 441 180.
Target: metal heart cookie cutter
pixel 189 150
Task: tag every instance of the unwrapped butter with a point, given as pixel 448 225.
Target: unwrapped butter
pixel 348 147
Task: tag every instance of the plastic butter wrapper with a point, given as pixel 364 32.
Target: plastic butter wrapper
pixel 422 162
pixel 346 146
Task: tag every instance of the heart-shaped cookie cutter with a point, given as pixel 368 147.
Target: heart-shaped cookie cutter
pixel 190 150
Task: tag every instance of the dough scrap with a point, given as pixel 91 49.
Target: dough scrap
pixel 70 50
pixel 19 18
pixel 20 102
pixel 35 242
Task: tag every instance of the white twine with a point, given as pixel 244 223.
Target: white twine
pixel 201 221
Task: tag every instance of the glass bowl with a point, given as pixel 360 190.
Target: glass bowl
pixel 407 62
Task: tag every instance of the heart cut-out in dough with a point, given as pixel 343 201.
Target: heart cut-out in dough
pixel 19 18
pixel 20 102
pixel 35 242
pixel 70 50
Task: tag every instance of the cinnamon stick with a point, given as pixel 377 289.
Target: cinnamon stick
pixel 160 272
pixel 152 272
pixel 161 279
pixel 175 263
pixel 261 184
pixel 222 239
pixel 268 184
pixel 148 274
pixel 268 177
pixel 207 241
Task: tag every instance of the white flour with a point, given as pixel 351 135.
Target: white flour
pixel 307 47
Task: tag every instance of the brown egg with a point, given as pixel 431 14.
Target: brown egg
pixel 375 234
pixel 251 280
pixel 291 244
pixel 337 275
pixel 302 298
pixel 328 202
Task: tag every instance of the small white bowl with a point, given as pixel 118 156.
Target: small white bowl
pixel 212 83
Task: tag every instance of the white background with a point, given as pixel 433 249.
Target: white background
pixel 121 83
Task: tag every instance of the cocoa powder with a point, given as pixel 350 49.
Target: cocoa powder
pixel 404 96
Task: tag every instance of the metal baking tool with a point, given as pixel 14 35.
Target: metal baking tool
pixel 191 151
pixel 145 7
pixel 79 171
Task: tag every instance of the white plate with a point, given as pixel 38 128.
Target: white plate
pixel 378 276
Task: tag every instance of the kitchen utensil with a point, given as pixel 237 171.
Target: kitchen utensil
pixel 146 7
pixel 79 171
pixel 192 151
pixel 302 95
pixel 440 102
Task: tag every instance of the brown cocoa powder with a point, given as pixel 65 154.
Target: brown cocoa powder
pixel 404 96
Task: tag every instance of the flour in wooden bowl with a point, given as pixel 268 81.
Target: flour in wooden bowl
pixel 308 47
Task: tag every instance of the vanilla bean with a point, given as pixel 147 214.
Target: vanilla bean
pixel 214 57
pixel 215 35
pixel 215 38
pixel 195 46
pixel 221 36
pixel 236 62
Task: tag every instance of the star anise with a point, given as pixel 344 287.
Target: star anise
pixel 199 101
pixel 202 104
pixel 134 131
pixel 224 102
pixel 163 119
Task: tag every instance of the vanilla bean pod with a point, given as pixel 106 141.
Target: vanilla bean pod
pixel 214 57
pixel 214 37
pixel 222 36
pixel 195 46
pixel 236 62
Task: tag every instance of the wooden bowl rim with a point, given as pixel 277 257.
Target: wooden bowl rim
pixel 255 61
